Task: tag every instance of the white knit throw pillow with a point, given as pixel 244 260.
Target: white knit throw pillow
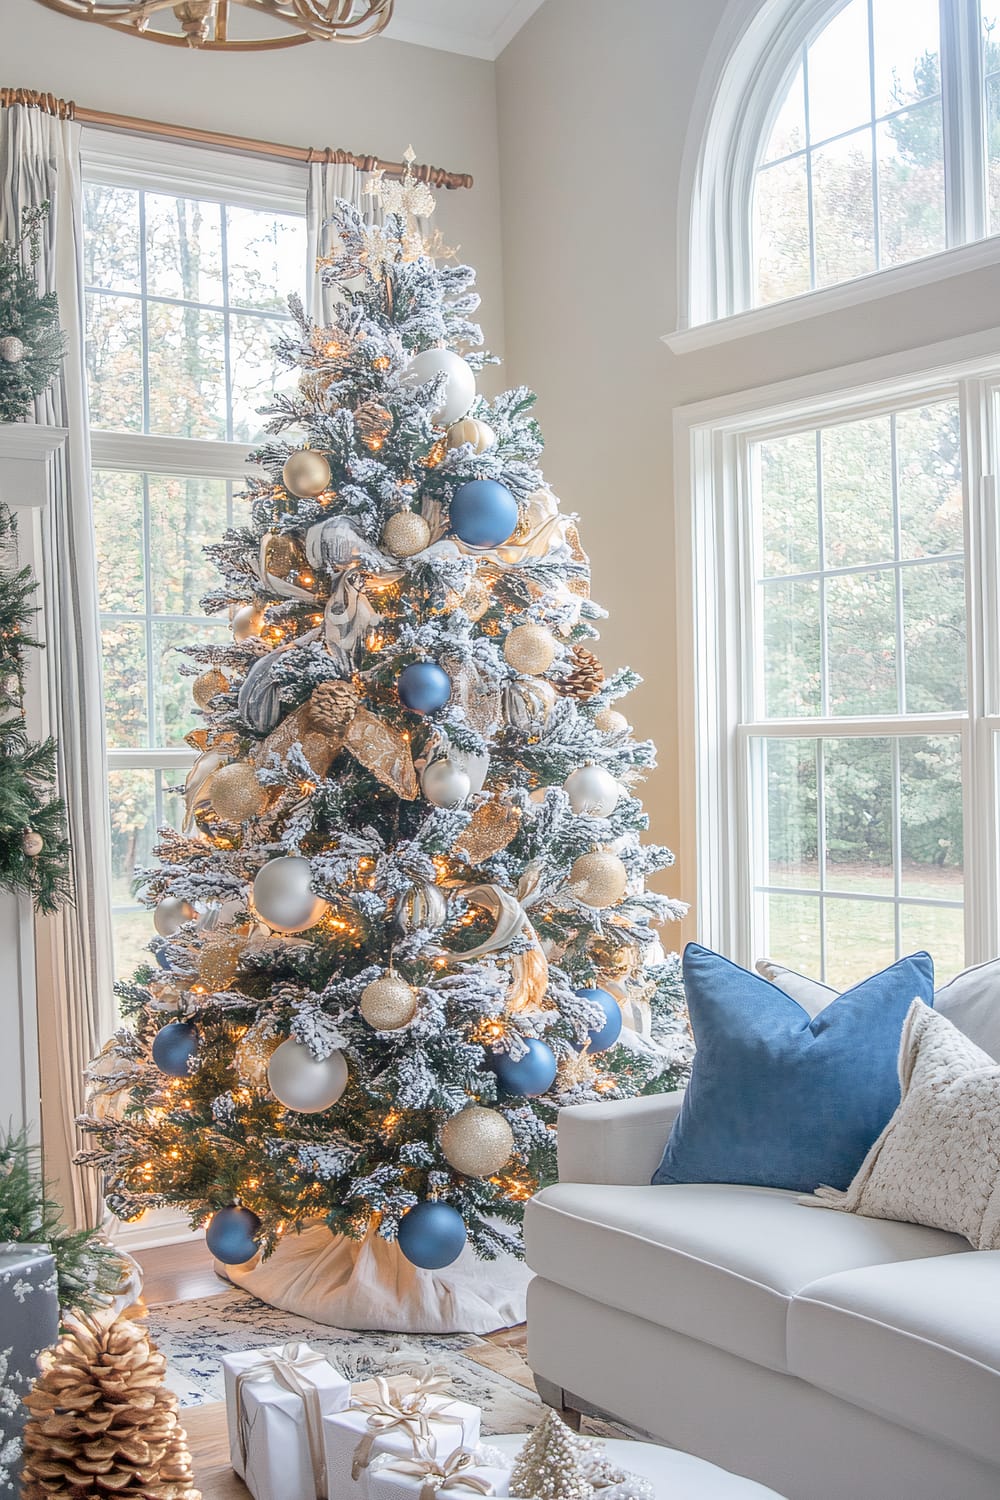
pixel 937 1162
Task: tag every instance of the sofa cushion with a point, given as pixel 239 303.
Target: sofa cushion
pixel 918 1343
pixel 714 1261
pixel 778 1098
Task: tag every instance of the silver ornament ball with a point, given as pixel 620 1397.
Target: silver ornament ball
pixel 592 791
pixel 11 349
pixel 170 914
pixel 389 1003
pixel 445 784
pixel 247 621
pixel 460 389
pixel 477 1142
pixel 283 897
pixel 301 1083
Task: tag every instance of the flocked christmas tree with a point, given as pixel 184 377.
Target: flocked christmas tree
pixel 407 918
pixel 31 344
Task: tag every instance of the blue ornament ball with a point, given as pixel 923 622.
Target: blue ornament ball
pixel 432 1235
pixel 173 1048
pixel 424 687
pixel 231 1235
pixel 532 1074
pixel 603 1037
pixel 483 513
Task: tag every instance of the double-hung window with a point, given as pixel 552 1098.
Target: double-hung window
pixel 187 278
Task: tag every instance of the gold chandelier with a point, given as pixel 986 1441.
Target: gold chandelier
pixel 207 23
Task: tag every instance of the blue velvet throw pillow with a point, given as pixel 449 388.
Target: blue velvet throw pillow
pixel 777 1099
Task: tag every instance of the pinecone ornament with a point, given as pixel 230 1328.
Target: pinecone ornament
pixel 101 1420
pixel 585 677
pixel 333 705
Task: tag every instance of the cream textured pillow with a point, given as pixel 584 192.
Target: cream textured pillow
pixel 937 1162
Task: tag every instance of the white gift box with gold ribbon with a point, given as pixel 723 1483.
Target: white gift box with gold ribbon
pixel 276 1400
pixel 388 1417
pixel 466 1474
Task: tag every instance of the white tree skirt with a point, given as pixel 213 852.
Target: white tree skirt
pixel 369 1284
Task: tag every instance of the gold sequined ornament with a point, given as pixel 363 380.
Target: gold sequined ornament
pixel 530 649
pixel 205 687
pixel 389 1003
pixel 373 424
pixel 599 878
pixel 285 556
pixel 405 534
pixel 247 622
pixel 219 962
pixel 477 1142
pixel 236 794
pixel 253 1052
pixel 610 721
pixel 306 474
pixel 471 430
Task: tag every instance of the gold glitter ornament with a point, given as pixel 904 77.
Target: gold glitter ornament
pixel 599 878
pixel 405 534
pixel 219 962
pixel 477 1142
pixel 205 687
pixel 477 598
pixel 471 430
pixel 373 424
pixel 610 721
pixel 253 1052
pixel 306 474
pixel 236 794
pixel 389 1003
pixel 530 649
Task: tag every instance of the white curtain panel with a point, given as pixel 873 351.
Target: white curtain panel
pixel 328 181
pixel 39 160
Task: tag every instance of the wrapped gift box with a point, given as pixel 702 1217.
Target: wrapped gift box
pixel 29 1323
pixel 352 1438
pixel 464 1476
pixel 276 1400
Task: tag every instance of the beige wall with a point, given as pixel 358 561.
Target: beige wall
pixel 373 99
pixel 594 103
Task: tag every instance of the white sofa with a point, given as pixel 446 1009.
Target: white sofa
pixel 829 1356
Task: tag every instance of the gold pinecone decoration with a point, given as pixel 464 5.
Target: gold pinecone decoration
pixel 333 706
pixel 102 1422
pixel 585 677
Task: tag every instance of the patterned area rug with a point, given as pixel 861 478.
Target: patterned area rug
pixel 194 1335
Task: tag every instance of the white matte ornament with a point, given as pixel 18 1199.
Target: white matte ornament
pixel 471 430
pixel 460 391
pixel 389 1003
pixel 405 534
pixel 600 878
pixel 32 843
pixel 445 784
pixel 592 791
pixel 247 621
pixel 170 915
pixel 610 721
pixel 477 1142
pixel 306 474
pixel 282 894
pixel 530 649
pixel 11 349
pixel 301 1083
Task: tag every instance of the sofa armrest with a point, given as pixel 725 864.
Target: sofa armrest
pixel 621 1141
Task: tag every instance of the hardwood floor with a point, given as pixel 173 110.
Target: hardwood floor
pixel 183 1273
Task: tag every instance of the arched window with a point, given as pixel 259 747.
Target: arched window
pixel 842 138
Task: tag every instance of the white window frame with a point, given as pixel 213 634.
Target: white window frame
pixel 747 76
pixel 716 582
pixel 170 167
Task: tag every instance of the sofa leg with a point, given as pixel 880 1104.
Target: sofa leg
pixel 554 1396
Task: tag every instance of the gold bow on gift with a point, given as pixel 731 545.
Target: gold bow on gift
pixel 441 1474
pixel 285 1369
pixel 389 1407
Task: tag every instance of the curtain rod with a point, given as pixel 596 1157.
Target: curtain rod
pixel 68 110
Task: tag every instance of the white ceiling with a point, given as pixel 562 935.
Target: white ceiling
pixel 479 28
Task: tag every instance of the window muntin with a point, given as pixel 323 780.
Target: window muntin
pixel 852 176
pixel 185 298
